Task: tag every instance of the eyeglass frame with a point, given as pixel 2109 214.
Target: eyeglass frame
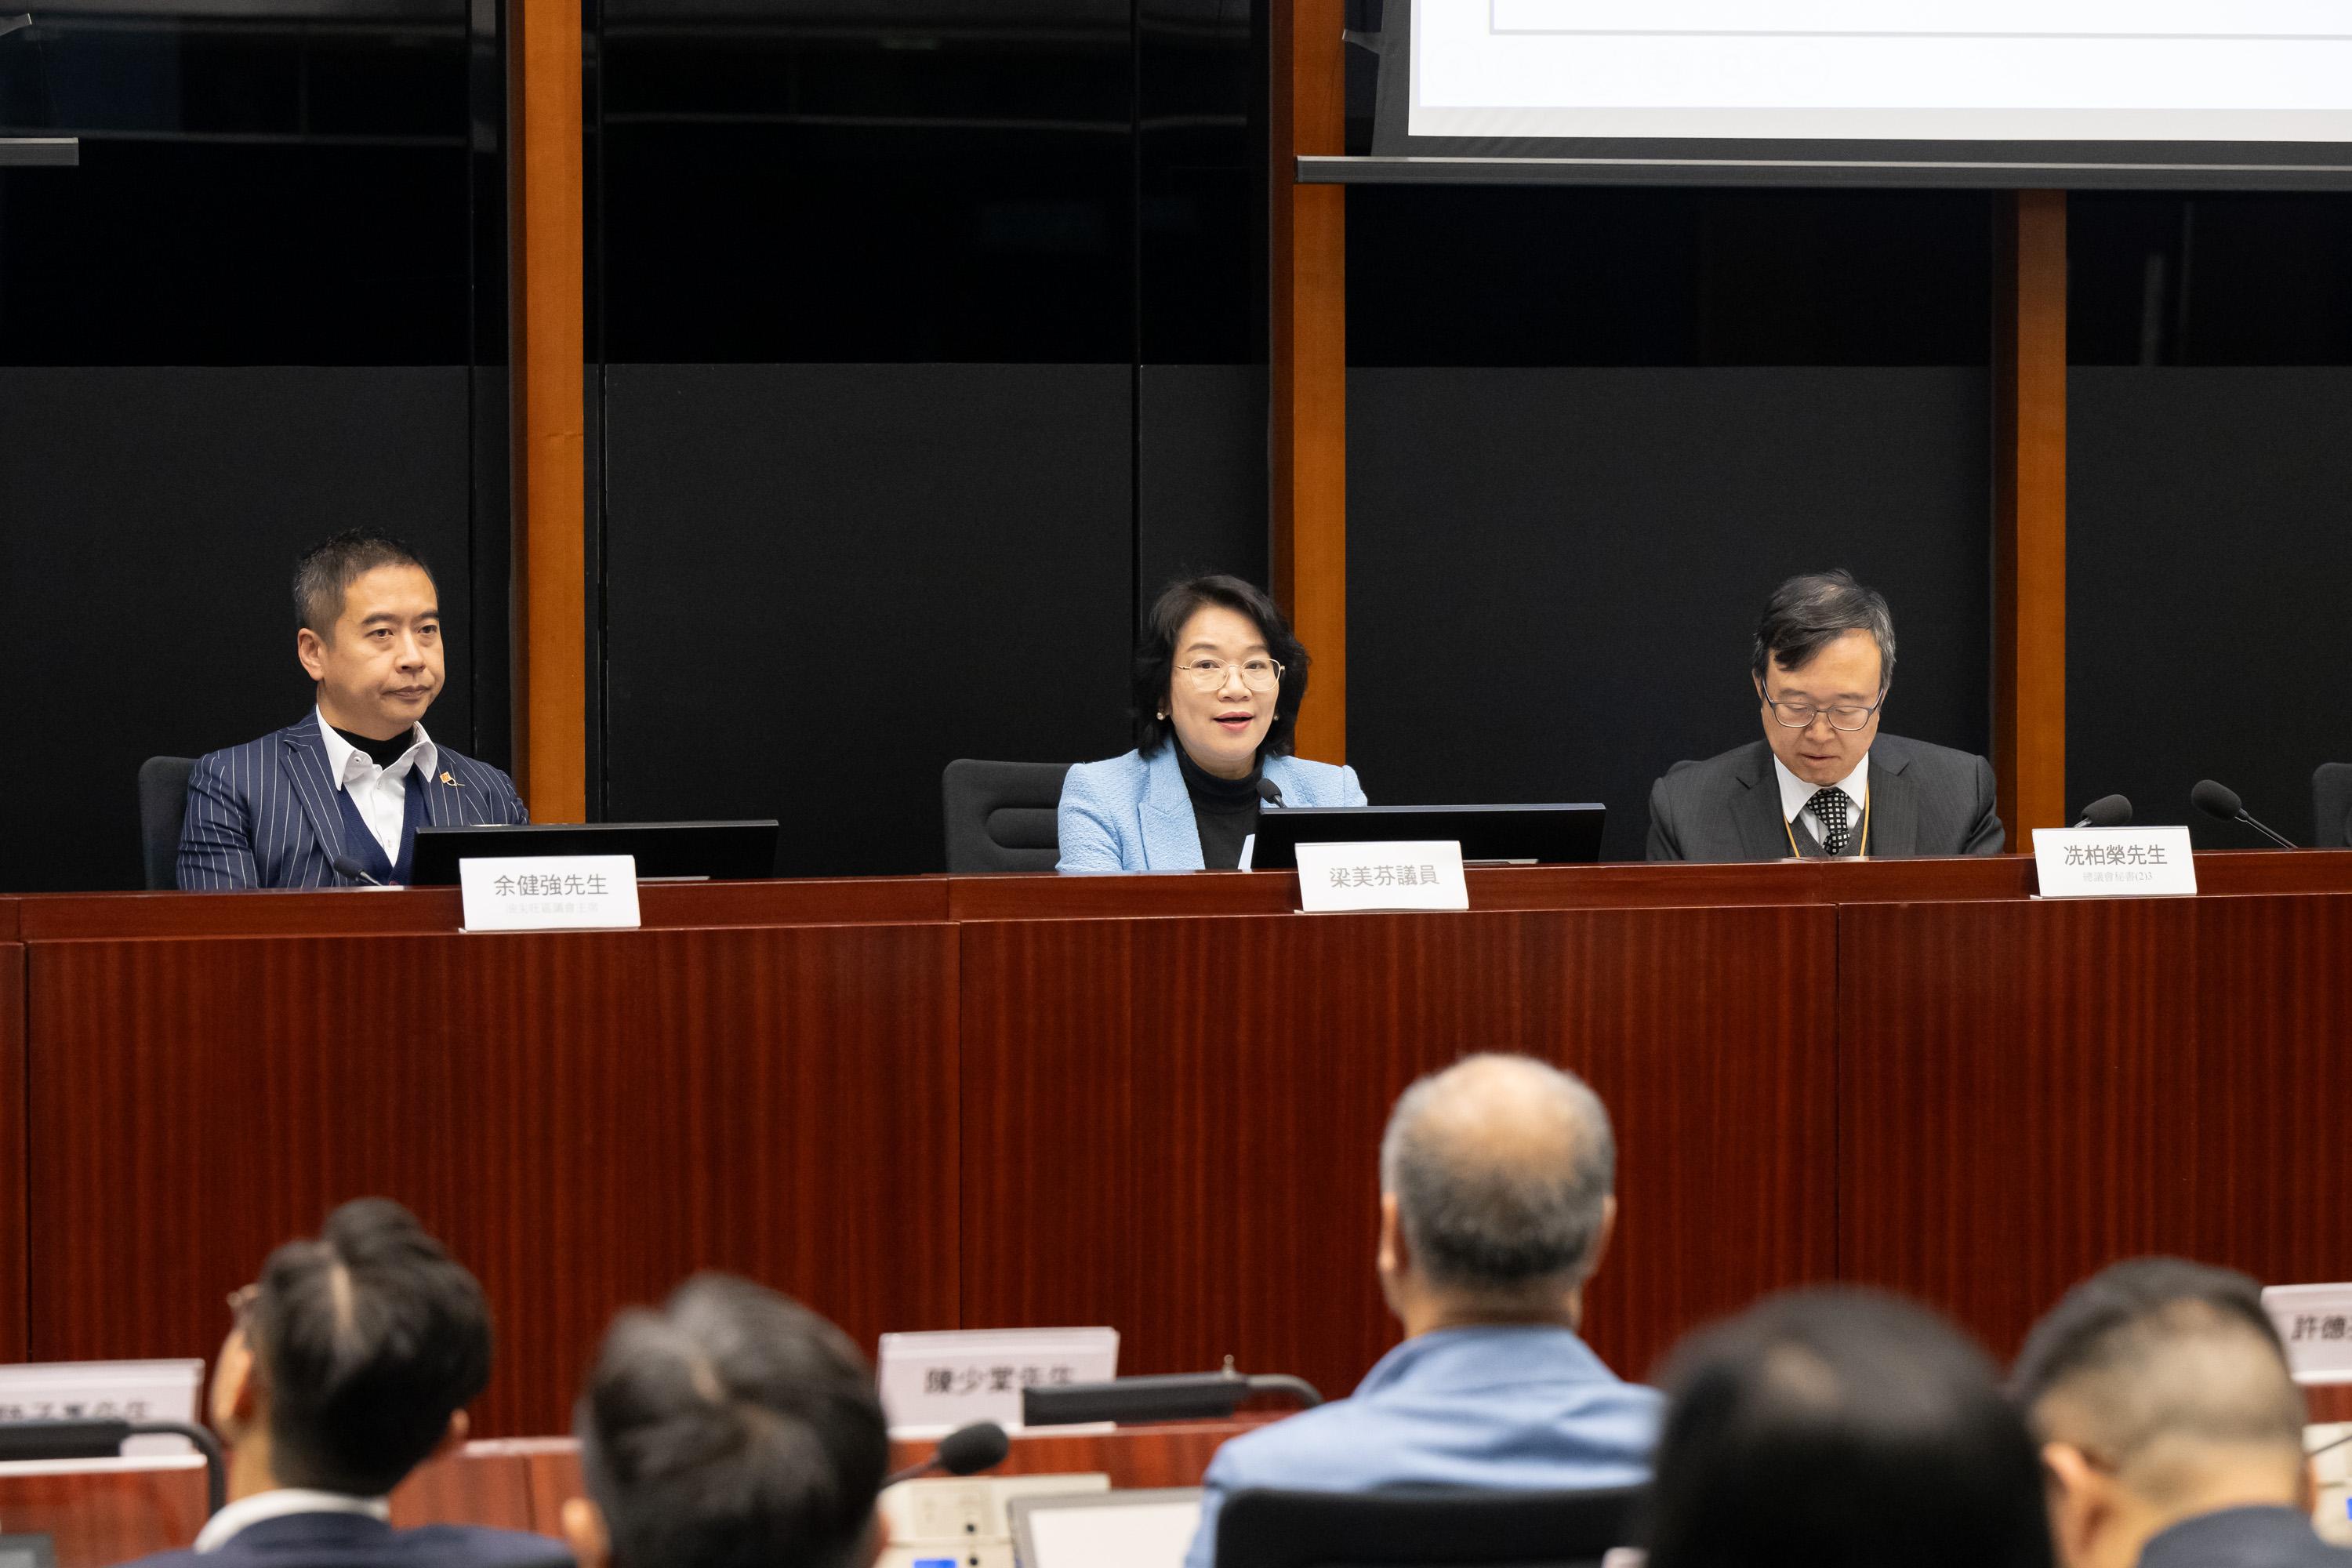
pixel 1868 713
pixel 1182 668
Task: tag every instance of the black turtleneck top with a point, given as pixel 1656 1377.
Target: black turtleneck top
pixel 1225 810
pixel 384 753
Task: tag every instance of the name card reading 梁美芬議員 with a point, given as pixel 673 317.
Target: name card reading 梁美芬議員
pixel 550 892
pixel 1403 876
pixel 2314 1323
pixel 2112 862
pixel 935 1382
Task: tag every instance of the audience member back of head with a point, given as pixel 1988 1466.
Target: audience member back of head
pixel 734 1428
pixel 2172 1429
pixel 350 1363
pixel 1841 1430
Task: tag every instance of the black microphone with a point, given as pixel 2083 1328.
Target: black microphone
pixel 1269 792
pixel 2219 800
pixel 965 1451
pixel 2107 811
pixel 346 867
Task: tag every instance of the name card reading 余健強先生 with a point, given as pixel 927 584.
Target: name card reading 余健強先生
pixel 1402 876
pixel 935 1382
pixel 2112 862
pixel 550 892
pixel 2314 1323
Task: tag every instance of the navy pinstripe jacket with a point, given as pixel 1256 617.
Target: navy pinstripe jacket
pixel 263 815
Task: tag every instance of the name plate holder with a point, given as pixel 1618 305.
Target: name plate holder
pixel 934 1382
pixel 2314 1323
pixel 2114 862
pixel 550 892
pixel 1408 875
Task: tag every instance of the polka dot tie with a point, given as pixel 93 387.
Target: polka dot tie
pixel 1829 808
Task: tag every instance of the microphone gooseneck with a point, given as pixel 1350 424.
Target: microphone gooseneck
pixel 2216 799
pixel 966 1451
pixel 2107 811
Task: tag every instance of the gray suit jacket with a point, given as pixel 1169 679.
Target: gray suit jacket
pixel 1924 800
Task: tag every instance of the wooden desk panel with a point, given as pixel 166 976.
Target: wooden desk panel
pixel 584 1117
pixel 1184 1116
pixel 14 1239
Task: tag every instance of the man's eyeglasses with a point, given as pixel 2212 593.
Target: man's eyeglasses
pixel 1209 674
pixel 1800 715
pixel 240 1303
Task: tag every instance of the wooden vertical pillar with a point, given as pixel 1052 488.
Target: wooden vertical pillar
pixel 546 225
pixel 2030 513
pixel 1308 446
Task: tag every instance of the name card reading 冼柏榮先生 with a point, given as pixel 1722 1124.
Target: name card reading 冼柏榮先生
pixel 935 1382
pixel 550 892
pixel 1402 876
pixel 2314 1322
pixel 2114 862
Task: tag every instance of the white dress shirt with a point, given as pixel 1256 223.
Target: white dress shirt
pixel 378 792
pixel 223 1526
pixel 1795 793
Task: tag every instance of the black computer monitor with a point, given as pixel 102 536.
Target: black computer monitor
pixel 701 851
pixel 1539 835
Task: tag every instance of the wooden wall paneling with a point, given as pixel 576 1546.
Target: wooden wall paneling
pixel 2030 513
pixel 2019 1087
pixel 482 1483
pixel 1308 448
pixel 549 327
pixel 2273 1076
pixel 15 1238
pixel 1268 1051
pixel 584 1116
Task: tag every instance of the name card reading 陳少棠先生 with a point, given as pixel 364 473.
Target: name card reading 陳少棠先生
pixel 550 892
pixel 1403 876
pixel 935 1382
pixel 2314 1322
pixel 2112 862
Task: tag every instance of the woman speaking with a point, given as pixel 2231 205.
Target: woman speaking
pixel 1218 681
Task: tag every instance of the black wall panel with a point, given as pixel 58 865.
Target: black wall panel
pixel 1202 491
pixel 1554 574
pixel 152 519
pixel 824 583
pixel 2208 560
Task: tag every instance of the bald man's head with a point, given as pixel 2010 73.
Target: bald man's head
pixel 2162 1371
pixel 1501 1168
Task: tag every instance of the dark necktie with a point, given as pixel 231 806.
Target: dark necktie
pixel 1829 808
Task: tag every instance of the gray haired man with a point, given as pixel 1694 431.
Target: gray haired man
pixel 1496 1204
pixel 1823 781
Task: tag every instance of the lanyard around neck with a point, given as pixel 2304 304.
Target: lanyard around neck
pixel 1861 851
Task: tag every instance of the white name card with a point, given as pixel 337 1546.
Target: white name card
pixel 933 1383
pixel 99 1390
pixel 550 892
pixel 2315 1322
pixel 2114 862
pixel 1400 876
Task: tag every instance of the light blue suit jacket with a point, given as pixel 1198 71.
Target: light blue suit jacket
pixel 263 815
pixel 1131 814
pixel 1519 1408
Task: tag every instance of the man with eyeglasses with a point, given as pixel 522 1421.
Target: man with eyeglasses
pixel 1825 781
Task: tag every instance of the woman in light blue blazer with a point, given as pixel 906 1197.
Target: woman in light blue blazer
pixel 1218 681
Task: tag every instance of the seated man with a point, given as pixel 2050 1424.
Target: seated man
pixel 351 1363
pixel 336 798
pixel 1823 781
pixel 1495 1207
pixel 732 1429
pixel 2171 1431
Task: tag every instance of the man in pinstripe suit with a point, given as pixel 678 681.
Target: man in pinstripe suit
pixel 335 799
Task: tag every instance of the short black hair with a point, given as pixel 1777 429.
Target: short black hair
pixel 1155 655
pixel 369 1338
pixel 1808 613
pixel 327 570
pixel 734 1428
pixel 1842 1429
pixel 2129 1338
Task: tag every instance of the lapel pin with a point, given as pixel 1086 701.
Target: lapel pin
pixel 447 779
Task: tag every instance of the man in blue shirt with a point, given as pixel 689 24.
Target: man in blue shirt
pixel 1496 1207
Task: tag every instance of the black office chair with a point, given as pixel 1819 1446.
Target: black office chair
pixel 2331 805
pixel 1429 1527
pixel 163 802
pixel 1000 815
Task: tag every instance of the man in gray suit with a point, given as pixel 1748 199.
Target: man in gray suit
pixel 1823 781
